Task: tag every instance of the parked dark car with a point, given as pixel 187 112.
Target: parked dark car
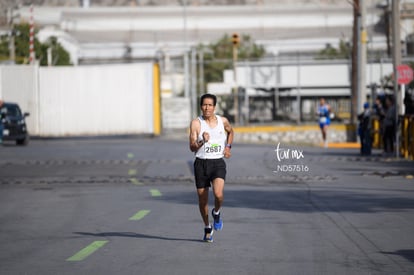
pixel 14 123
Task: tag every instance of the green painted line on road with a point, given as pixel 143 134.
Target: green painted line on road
pixel 155 193
pixel 132 172
pixel 139 215
pixel 82 254
pixel 130 155
pixel 135 181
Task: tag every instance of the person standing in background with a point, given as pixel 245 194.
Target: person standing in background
pixel 389 126
pixel 364 130
pixel 379 114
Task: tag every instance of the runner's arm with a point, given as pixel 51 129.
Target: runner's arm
pixel 229 140
pixel 195 128
pixel 229 129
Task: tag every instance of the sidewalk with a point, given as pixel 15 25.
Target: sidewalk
pixel 182 134
pixel 344 145
pixel 264 136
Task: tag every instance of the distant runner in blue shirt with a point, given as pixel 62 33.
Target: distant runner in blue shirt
pixel 324 111
pixel 1 122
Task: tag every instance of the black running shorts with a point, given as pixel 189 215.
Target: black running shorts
pixel 206 170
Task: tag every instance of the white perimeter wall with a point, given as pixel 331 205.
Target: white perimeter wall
pixel 19 84
pixel 87 100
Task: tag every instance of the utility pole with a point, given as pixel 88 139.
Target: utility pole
pixel 298 90
pixel 362 62
pixel 359 60
pixel 396 57
pixel 387 26
pixel 396 50
pixel 354 67
pixel 201 70
pixel 193 82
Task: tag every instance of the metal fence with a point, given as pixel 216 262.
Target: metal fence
pixel 269 109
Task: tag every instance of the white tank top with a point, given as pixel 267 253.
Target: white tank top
pixel 214 148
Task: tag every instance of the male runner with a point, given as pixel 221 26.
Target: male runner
pixel 211 137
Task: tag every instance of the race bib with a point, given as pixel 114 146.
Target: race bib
pixel 212 148
pixel 322 119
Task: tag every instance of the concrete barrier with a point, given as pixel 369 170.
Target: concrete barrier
pixel 297 134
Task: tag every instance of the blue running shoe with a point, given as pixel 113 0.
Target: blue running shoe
pixel 208 234
pixel 218 223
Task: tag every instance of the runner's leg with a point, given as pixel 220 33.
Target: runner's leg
pixel 218 189
pixel 203 204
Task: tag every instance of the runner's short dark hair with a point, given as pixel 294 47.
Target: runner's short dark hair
pixel 213 97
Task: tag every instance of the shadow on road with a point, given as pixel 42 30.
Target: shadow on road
pixel 307 201
pixel 406 253
pixel 134 235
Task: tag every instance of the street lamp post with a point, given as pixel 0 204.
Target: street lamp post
pixel 236 42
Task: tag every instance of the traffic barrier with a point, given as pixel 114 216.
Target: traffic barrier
pixel 405 127
pixel 376 133
pixel 407 137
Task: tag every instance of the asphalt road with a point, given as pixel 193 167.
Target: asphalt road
pixel 128 206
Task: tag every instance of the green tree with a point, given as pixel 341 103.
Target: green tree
pixel 22 51
pixel 342 52
pixel 60 56
pixel 219 56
